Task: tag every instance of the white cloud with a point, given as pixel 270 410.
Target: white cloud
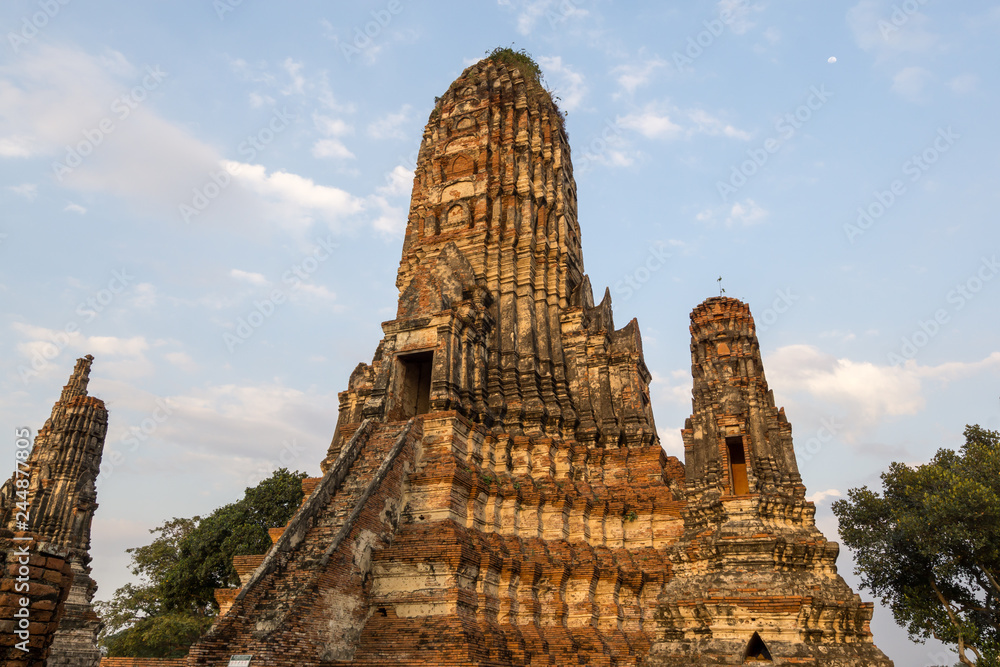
pixel 632 76
pixel 672 442
pixel 675 388
pixel 569 85
pixel 297 83
pixel 964 84
pixel 865 388
pixel 391 125
pixel 652 124
pixel 665 121
pixel 531 12
pixel 842 336
pixel 58 97
pixel 398 182
pixel 910 83
pixel 705 123
pixel 332 127
pixel 746 213
pixel 739 10
pixel 868 393
pixel 820 496
pixel 16 146
pixel 258 100
pixel 391 221
pixel 27 190
pixel 871 21
pixel 143 296
pixel 331 148
pixel 742 213
pixel 248 277
pixel 297 200
pixel 315 291
pixel 75 208
pixel 182 360
pixel 43 348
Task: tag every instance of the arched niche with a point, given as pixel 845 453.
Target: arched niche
pixel 460 167
pixel 457 217
pixel 465 125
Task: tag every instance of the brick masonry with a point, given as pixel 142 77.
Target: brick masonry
pixel 495 493
pixel 62 470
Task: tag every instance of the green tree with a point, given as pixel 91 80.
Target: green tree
pixel 173 604
pixel 929 545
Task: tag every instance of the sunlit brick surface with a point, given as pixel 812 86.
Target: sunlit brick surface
pixel 495 492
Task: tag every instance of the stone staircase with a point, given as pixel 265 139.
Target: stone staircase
pixel 307 596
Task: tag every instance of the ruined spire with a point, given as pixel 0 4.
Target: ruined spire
pixel 62 497
pixel 78 381
pixel 736 441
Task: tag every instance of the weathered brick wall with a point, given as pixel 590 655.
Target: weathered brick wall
pixel 143 662
pixel 310 603
pixel 752 568
pixel 44 581
pixel 535 518
pixel 61 498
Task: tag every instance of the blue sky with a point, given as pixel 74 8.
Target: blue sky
pixel 210 199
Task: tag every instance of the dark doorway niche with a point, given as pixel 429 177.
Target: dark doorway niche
pixel 737 465
pixel 416 393
pixel 756 651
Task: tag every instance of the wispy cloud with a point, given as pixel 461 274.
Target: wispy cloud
pixel 635 75
pixel 569 84
pixel 250 277
pixel 911 83
pixel 531 13
pixel 662 120
pixel 390 126
pixel 869 393
pixel 27 190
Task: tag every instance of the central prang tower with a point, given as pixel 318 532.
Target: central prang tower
pixel 496 319
pixel 495 494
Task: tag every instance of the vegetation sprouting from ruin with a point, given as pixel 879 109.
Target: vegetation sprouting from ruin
pixel 519 59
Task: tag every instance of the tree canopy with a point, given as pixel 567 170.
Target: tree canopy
pixel 929 545
pixel 174 603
